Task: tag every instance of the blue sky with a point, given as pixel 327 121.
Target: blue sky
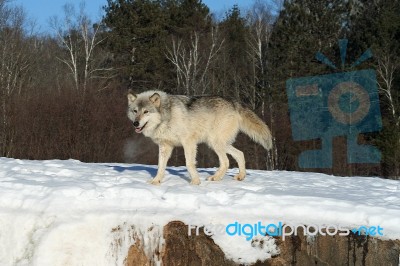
pixel 42 10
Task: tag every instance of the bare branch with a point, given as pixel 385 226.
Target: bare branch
pixel 191 63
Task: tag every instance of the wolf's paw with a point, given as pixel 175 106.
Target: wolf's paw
pixel 156 182
pixel 214 178
pixel 239 177
pixel 195 182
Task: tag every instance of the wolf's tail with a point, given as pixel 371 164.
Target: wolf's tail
pixel 254 127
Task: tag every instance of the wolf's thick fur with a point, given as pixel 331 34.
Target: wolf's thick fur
pixel 176 120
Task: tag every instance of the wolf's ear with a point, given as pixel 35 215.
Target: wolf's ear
pixel 155 99
pixel 131 96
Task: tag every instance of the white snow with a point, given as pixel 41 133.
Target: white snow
pixel 71 213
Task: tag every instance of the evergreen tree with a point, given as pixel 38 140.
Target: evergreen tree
pixel 139 32
pixel 136 32
pixel 302 28
pixel 376 25
pixel 186 17
pixel 235 72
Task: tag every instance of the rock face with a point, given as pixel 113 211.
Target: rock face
pixel 137 256
pixel 336 250
pixel 181 249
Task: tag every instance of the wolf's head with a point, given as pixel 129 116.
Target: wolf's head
pixel 144 111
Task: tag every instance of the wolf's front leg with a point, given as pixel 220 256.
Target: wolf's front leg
pixel 190 156
pixel 164 152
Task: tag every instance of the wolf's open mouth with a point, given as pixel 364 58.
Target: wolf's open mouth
pixel 140 129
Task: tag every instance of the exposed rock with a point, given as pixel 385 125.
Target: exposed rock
pixel 136 256
pixel 181 250
pixel 337 250
pixel 138 253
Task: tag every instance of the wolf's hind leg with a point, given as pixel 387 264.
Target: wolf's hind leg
pixel 239 157
pixel 190 157
pixel 164 152
pixel 223 163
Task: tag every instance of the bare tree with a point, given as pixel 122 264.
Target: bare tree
pixel 64 32
pixel 192 63
pixel 15 60
pixel 261 20
pixel 77 35
pixel 387 67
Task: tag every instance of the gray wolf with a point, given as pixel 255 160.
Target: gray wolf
pixel 177 120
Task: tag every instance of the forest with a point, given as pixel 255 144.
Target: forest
pixel 63 94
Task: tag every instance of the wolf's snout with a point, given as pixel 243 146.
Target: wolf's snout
pixel 136 123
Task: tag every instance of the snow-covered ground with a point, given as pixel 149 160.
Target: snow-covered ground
pixel 72 213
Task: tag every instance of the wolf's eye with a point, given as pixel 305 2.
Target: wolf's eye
pixel 135 111
pixel 145 112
